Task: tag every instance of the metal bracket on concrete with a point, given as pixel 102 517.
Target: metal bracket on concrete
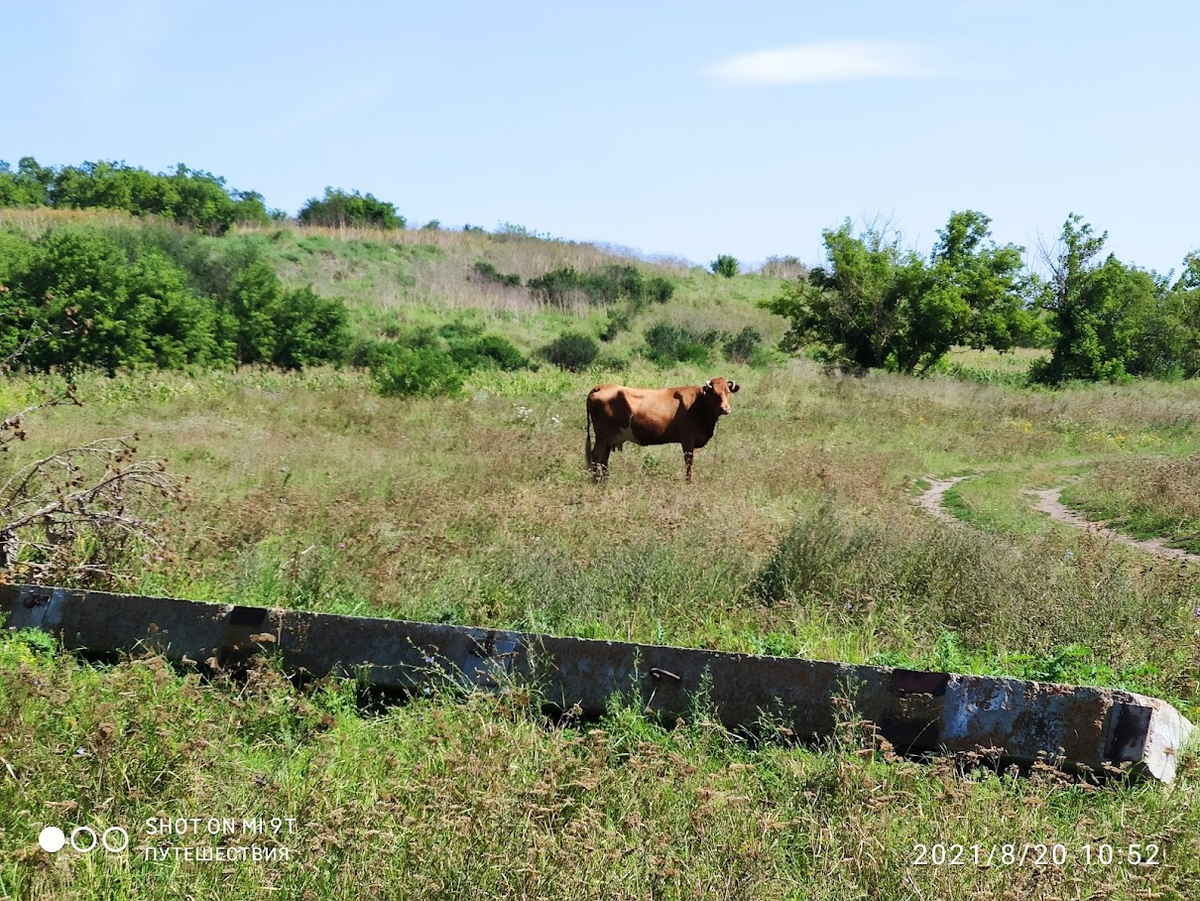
pixel 1013 720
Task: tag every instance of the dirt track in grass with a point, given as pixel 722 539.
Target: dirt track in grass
pixel 931 499
pixel 1049 501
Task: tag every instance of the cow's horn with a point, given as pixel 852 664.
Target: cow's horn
pixel 733 386
pixel 708 384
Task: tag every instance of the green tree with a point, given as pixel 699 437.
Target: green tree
pixel 340 209
pixel 876 305
pixel 1105 315
pixel 189 197
pixel 131 310
pixel 28 186
pixel 289 329
pixel 310 330
pixel 180 326
pixel 202 201
pixel 255 302
pixel 1185 300
pixel 991 280
pixel 725 265
pixel 91 185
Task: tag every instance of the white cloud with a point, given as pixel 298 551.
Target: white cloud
pixel 823 62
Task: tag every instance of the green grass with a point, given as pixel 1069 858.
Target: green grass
pixel 1146 496
pixel 413 278
pixel 308 490
pixel 481 797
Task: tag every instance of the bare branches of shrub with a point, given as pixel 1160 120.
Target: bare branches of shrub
pixel 77 515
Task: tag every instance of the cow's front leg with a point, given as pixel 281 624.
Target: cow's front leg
pixel 689 456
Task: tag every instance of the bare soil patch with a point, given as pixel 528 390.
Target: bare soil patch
pixel 931 499
pixel 1049 501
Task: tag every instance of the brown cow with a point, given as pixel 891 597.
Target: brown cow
pixel 647 416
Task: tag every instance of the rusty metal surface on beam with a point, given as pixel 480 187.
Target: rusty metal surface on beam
pixel 1073 727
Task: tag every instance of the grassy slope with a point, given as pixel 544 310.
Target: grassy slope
pixel 421 278
pixel 800 537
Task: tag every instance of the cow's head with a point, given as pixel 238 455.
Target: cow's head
pixel 717 392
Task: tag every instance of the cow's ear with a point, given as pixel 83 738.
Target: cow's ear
pixel 734 387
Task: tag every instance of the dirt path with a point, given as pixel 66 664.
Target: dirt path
pixel 1049 501
pixel 931 499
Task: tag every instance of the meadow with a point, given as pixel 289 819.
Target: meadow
pixel 800 537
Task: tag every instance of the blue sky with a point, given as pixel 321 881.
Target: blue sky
pixel 683 129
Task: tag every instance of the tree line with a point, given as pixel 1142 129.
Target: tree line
pixel 155 299
pixel 159 296
pixel 124 298
pixel 185 196
pixel 874 304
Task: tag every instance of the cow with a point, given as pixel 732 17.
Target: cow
pixel 648 416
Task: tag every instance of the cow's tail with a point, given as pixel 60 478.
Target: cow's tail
pixel 587 447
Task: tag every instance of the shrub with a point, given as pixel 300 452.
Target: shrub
pixel 404 371
pixel 340 209
pixel 490 273
pixel 572 351
pixel 428 362
pixel 501 352
pixel 605 286
pixel 157 296
pixel 659 289
pixel 618 321
pixel 669 344
pixel 132 309
pixel 311 330
pixel 742 346
pixel 561 286
pixel 289 329
pixel 725 265
pixel 471 349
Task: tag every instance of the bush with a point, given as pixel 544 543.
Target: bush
pixel 669 344
pixel 742 346
pixel 725 265
pixel 561 286
pixel 311 330
pixel 186 196
pixel 471 349
pixel 428 362
pixel 131 309
pixel 339 209
pixel 659 289
pixel 605 286
pixel 490 273
pixel 404 371
pixel 500 352
pixel 157 296
pixel 572 351
pixel 618 321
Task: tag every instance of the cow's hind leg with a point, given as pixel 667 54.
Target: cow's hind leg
pixel 689 457
pixel 599 461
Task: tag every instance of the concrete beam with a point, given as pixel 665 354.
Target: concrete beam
pixel 1015 720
